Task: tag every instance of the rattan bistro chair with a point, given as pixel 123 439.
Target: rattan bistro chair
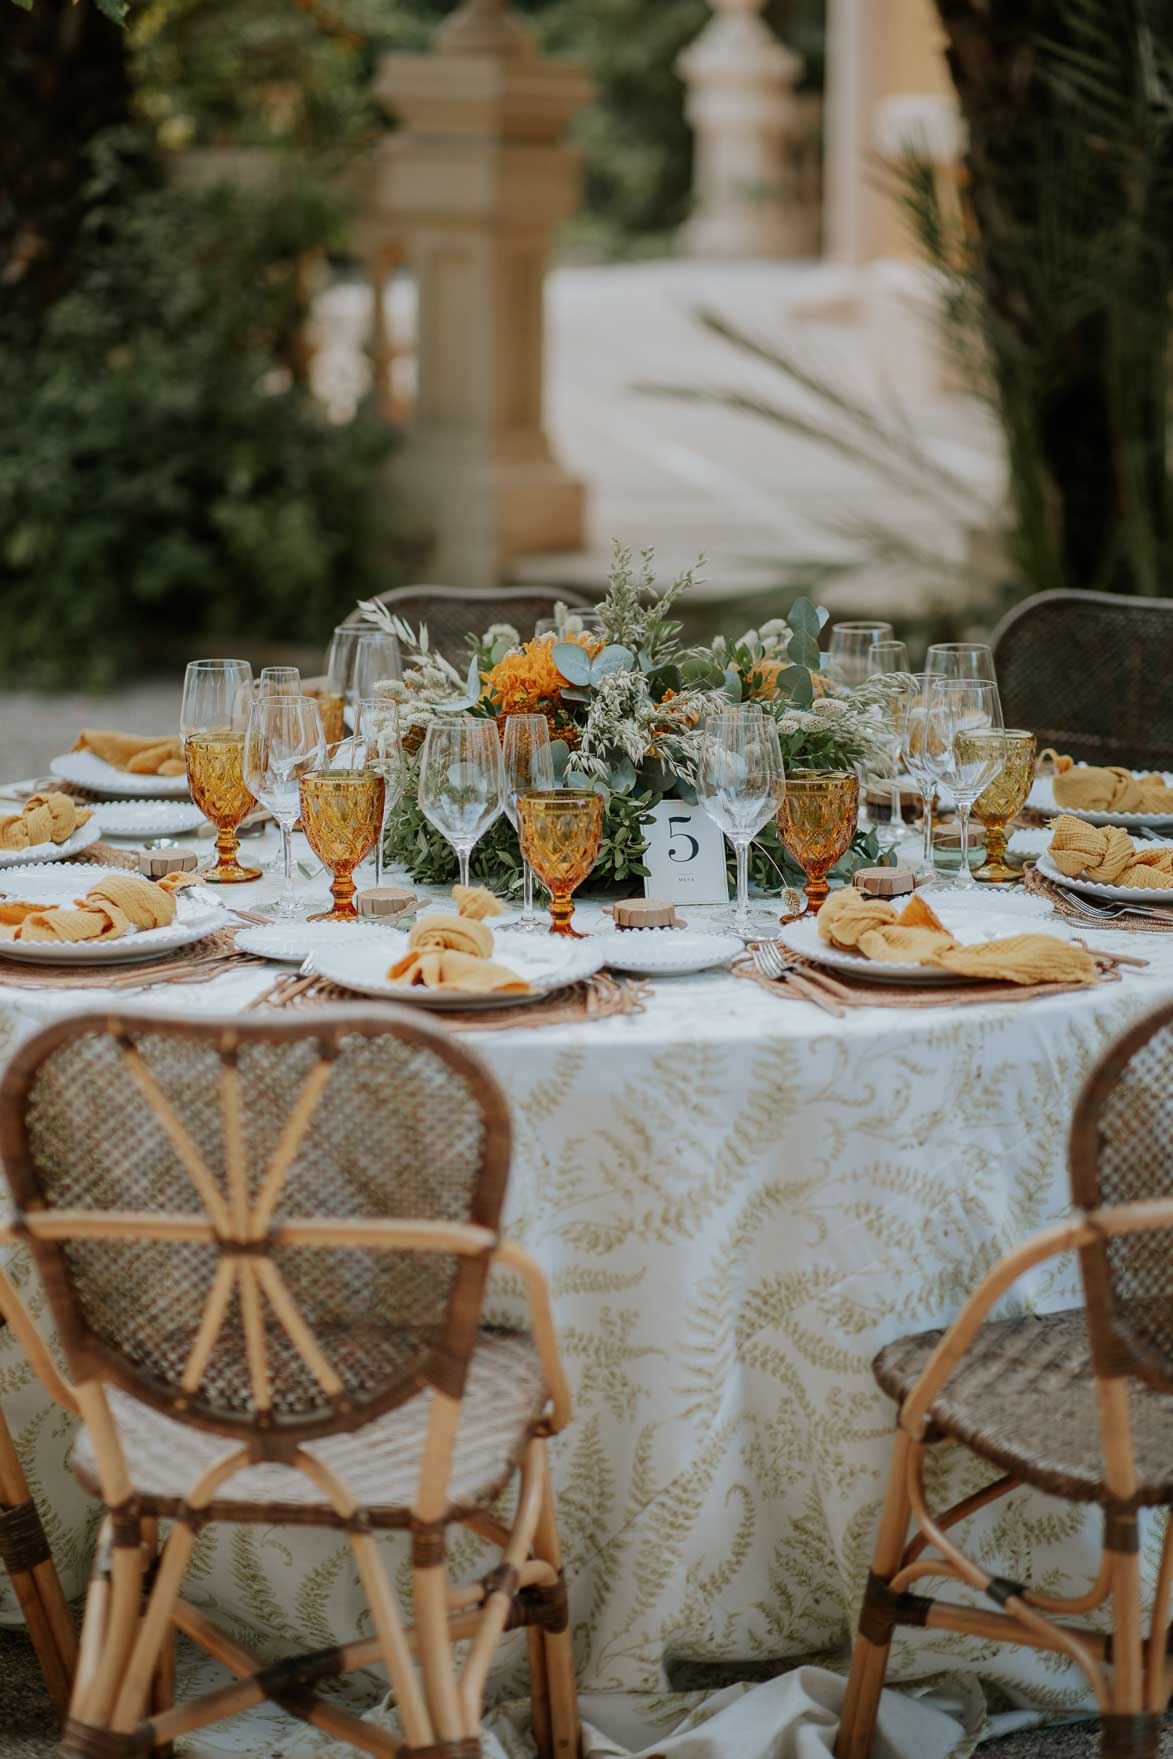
pixel 266 1245
pixel 1085 672
pixel 1076 1404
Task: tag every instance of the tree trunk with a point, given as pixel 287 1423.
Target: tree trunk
pixel 63 77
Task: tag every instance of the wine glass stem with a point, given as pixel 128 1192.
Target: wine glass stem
pixel 287 854
pixel 926 800
pixel 965 879
pixel 527 881
pixel 464 856
pixel 379 849
pixel 741 921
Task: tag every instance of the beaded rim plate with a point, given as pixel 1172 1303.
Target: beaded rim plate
pixel 147 818
pixel 1042 799
pixel 971 929
pixel 1110 894
pixel 659 952
pixel 290 942
pixel 546 967
pixel 85 770
pixel 46 854
pixel 50 883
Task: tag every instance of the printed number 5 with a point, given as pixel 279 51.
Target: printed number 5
pixel 675 836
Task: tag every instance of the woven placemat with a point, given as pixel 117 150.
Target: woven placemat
pixel 1042 887
pixel 198 963
pixel 850 993
pixel 600 997
pixel 105 855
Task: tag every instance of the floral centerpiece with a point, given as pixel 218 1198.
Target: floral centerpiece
pixel 625 707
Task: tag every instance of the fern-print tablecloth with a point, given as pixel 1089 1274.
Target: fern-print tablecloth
pixel 737 1200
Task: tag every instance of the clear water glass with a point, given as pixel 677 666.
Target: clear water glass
pixel 741 784
pixel 958 709
pixel 282 744
pixel 377 743
pixel 849 650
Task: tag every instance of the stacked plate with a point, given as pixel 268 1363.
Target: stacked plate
pixel 546 963
pixel 85 770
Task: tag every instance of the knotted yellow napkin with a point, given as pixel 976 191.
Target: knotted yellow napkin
pixel 144 903
pixel 108 911
pixel 476 902
pixel 44 818
pixel 1112 789
pixel 151 754
pixel 847 915
pixel 897 945
pixel 452 952
pixel 96 920
pixel 1107 855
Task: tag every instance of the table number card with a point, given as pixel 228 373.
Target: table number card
pixel 685 856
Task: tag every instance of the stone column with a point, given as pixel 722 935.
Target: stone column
pixel 753 139
pixel 471 186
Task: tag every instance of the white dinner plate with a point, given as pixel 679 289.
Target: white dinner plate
pixel 1042 798
pixel 971 927
pixel 147 818
pixel 52 884
pixel 291 942
pixel 1110 894
pixel 85 770
pixel 662 952
pixel 547 964
pixel 44 853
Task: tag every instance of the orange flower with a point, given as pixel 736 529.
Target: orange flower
pixel 529 682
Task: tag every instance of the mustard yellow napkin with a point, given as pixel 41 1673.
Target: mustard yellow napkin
pixel 847 915
pixel 457 971
pixel 79 922
pixel 151 754
pixel 1021 958
pixel 143 902
pixel 1112 789
pixel 44 818
pixel 1108 856
pixel 896 945
pixel 476 903
pixel 450 934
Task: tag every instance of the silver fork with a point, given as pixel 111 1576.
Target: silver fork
pixel 769 961
pixel 1109 912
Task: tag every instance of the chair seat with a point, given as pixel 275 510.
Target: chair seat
pixel 504 1398
pixel 1023 1396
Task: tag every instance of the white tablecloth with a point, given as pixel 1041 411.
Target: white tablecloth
pixel 737 1200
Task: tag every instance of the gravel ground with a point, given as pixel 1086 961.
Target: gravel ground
pixel 28 1731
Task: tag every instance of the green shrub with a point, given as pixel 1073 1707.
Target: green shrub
pixel 161 471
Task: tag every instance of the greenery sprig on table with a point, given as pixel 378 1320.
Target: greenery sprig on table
pixel 625 708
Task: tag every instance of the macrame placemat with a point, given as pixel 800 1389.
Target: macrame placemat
pixel 850 993
pixel 1042 887
pixel 600 997
pixel 106 855
pixel 199 963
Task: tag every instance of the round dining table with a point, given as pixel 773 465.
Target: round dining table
pixel 738 1200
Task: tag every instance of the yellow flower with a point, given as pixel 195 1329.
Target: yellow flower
pixel 528 681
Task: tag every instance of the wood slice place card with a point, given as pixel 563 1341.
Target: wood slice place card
pixel 884 882
pixel 158 863
pixel 644 913
pixel 386 901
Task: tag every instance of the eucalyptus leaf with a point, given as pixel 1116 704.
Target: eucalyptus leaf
pixel 500 649
pixel 560 754
pixel 572 693
pixel 615 658
pixel 803 651
pixel 795 684
pixel 700 674
pixel 473 684
pixel 803 618
pixel 622 776
pixel 823 614
pixel 733 688
pixel 573 662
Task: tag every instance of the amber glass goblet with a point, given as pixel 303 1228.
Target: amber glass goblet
pixel 816 822
pixel 215 775
pixel 1004 798
pixel 330 706
pixel 341 815
pixel 560 831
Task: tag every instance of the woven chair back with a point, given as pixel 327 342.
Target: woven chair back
pixel 1122 1153
pixel 255 1128
pixel 452 613
pixel 1085 672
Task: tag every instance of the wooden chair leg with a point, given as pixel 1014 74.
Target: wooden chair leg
pixel 869 1661
pixel 1128 1731
pixel 562 1690
pixel 24 1551
pixel 539 1694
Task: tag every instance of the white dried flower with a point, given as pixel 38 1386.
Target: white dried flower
pixel 501 632
pixel 830 710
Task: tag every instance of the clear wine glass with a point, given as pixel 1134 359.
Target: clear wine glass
pixel 217 697
pixel 849 650
pixel 529 765
pixel 741 784
pixel 889 662
pixel 462 783
pixel 279 681
pixel 360 657
pixel 283 743
pixel 913 713
pixel 960 711
pixel 376 732
pixel 888 656
pixel 961 659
